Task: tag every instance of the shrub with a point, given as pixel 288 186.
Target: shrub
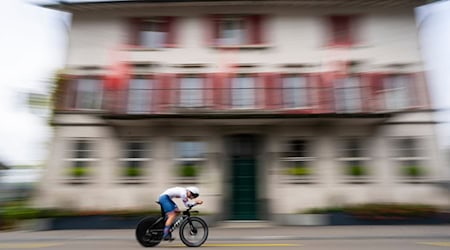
pixel 133 171
pixel 79 171
pixel 188 170
pixel 357 170
pixel 413 171
pixel 298 171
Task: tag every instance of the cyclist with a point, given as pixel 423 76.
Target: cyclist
pixel 170 208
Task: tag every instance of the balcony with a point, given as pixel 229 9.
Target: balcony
pixel 247 96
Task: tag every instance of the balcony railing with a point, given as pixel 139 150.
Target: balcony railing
pixel 360 98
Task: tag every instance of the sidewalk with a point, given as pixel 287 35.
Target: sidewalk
pixel 248 234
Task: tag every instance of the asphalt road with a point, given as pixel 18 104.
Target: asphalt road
pixel 271 238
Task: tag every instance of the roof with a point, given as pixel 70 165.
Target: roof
pixel 75 6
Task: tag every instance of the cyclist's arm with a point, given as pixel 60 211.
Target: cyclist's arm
pixel 188 203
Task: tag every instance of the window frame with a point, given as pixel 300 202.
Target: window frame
pixel 244 32
pixel 251 36
pixel 199 92
pixel 241 95
pixel 98 94
pixel 72 158
pixel 144 161
pixel 286 161
pixel 181 161
pixel 362 157
pixel 147 94
pixel 343 104
pixel 405 91
pixel 305 89
pixel 419 157
pixel 167 25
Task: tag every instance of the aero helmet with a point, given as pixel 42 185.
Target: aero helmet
pixel 194 191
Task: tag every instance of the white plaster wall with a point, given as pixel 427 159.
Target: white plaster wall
pixel 292 35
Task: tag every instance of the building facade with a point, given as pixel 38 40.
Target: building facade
pixel 270 107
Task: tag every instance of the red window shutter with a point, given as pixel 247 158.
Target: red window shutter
pixel 376 83
pixel 273 91
pixel 164 92
pixel 205 90
pixel 169 27
pixel 151 93
pixel 135 25
pixel 171 90
pixel 314 88
pixel 175 90
pixel 221 91
pixel 365 92
pixel 341 34
pixel 71 97
pixel 255 29
pixel 218 90
pixel 326 93
pixel 376 87
pixel 259 91
pixel 310 81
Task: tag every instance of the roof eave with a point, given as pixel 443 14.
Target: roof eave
pixel 105 5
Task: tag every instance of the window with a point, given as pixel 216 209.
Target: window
pixel 155 32
pixel 191 92
pixel 135 158
pixel 348 94
pixel 189 157
pixel 89 94
pixel 234 30
pixel 342 30
pixel 140 95
pixel 397 92
pixel 297 161
pixel 354 160
pixel 409 158
pixel 295 92
pixel 243 92
pixel 81 158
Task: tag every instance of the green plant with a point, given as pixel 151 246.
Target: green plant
pixel 413 171
pixel 79 171
pixel 188 170
pixel 133 171
pixel 356 170
pixel 298 171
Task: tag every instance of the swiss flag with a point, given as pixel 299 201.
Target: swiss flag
pixel 119 70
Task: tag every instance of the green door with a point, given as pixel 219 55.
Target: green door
pixel 243 178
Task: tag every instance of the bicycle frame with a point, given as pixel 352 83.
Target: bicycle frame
pixel 150 234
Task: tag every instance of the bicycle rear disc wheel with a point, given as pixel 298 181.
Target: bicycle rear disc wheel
pixel 149 232
pixel 194 232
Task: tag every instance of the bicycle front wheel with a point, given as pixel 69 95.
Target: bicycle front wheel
pixel 194 232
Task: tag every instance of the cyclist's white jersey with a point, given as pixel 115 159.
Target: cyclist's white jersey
pixel 178 192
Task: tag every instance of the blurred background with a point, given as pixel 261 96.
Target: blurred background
pixel 272 108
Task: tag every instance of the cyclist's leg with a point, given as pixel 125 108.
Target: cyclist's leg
pixel 170 209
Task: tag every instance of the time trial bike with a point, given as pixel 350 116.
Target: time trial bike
pixel 193 230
